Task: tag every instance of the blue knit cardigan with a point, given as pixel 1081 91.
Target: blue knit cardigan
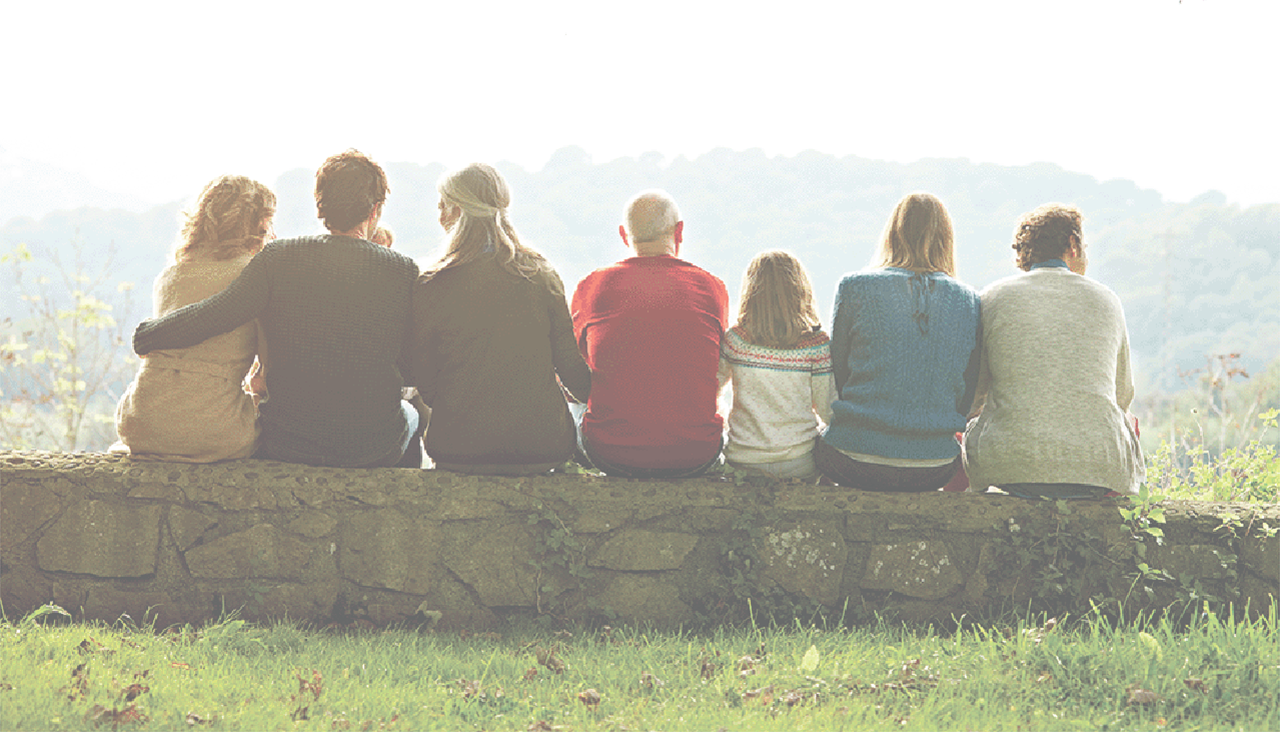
pixel 905 347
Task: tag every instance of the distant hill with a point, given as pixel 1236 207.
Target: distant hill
pixel 31 188
pixel 1196 278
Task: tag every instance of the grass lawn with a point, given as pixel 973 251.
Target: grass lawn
pixel 1213 673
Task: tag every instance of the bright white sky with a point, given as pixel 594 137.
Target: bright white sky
pixel 155 98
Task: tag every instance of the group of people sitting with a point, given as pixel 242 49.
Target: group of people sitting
pixel 338 350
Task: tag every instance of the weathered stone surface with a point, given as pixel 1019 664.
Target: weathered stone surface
pixel 107 604
pixel 922 569
pixel 645 599
pixel 102 539
pixel 493 559
pixel 378 542
pixel 806 558
pixel 24 507
pixel 1261 554
pixel 313 524
pixel 639 550
pixel 1194 560
pixel 312 601
pixel 262 552
pixel 187 526
pixel 386 548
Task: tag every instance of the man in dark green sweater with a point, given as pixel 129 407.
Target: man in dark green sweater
pixel 336 313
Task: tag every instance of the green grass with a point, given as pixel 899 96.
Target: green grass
pixel 1214 674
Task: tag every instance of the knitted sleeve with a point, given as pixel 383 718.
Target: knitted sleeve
pixel 572 370
pixel 240 302
pixel 822 384
pixel 842 332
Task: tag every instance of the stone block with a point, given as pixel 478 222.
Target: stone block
pixel 493 560
pixel 1190 560
pixel 24 507
pixel 921 569
pixel 102 539
pixel 637 550
pixel 187 526
pixel 313 524
pixel 312 601
pixel 386 548
pixel 1261 554
pixel 261 552
pixel 638 598
pixel 806 557
pixel 108 604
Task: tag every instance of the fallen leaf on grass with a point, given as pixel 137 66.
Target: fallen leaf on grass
pixel 1139 695
pixel 706 667
pixel 651 682
pixel 134 690
pixel 1195 684
pixel 99 714
pixel 590 697
pixel 79 683
pixel 548 658
pixel 764 694
pixel 542 725
pixel 1043 678
pixel 531 672
pixel 92 645
pixel 183 666
pixel 194 719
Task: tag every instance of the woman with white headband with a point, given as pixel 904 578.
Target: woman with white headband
pixel 492 333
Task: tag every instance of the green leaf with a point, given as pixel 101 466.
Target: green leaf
pixel 809 663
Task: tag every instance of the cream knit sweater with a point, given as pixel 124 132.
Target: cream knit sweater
pixel 187 404
pixel 1054 386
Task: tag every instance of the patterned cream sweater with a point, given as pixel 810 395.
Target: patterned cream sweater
pixel 781 397
pixel 1054 386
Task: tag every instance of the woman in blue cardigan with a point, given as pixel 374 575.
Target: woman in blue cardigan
pixel 905 347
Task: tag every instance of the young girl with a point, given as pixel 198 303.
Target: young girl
pixel 780 363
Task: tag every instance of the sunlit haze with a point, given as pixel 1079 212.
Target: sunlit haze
pixel 153 99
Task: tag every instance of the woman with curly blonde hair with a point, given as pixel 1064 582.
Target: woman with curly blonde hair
pixel 493 340
pixel 189 404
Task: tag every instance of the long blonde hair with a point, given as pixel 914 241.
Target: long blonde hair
pixel 230 218
pixel 482 228
pixel 918 237
pixel 776 308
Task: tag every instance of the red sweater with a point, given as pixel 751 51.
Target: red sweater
pixel 650 328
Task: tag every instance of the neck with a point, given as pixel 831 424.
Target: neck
pixel 359 232
pixel 656 248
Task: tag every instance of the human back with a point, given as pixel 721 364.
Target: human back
pixel 188 404
pixel 649 327
pixel 492 340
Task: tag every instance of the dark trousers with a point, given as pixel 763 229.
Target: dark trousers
pixel 845 471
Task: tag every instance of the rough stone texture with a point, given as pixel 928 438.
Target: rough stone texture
pixel 102 539
pixel 386 548
pixel 919 569
pixel 102 535
pixel 806 558
pixel 260 552
pixel 641 598
pixel 638 550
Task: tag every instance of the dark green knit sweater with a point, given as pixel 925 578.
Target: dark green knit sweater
pixel 336 313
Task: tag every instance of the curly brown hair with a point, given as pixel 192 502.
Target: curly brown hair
pixel 1045 233
pixel 348 186
pixel 231 216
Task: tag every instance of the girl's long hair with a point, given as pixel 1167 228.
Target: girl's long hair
pixel 918 237
pixel 482 229
pixel 231 217
pixel 776 308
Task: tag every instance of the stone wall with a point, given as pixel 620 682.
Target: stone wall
pixel 102 535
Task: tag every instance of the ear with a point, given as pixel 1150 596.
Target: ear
pixel 622 231
pixel 678 232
